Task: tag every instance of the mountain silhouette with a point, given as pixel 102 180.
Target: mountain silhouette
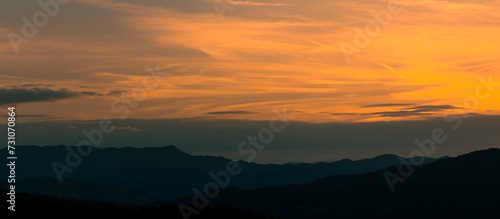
pixel 170 173
pixel 463 187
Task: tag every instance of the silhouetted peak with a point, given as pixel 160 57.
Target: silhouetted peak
pixel 163 151
pixel 482 154
pixel 172 148
pixel 386 157
pixel 344 161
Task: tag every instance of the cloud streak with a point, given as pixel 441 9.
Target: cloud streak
pixel 423 111
pixel 231 112
pixel 388 104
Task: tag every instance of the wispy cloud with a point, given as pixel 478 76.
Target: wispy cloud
pixel 231 112
pixel 388 104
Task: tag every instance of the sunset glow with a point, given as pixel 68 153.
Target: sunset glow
pixel 261 56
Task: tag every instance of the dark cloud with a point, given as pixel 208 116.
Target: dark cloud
pixel 344 114
pixel 39 94
pixel 115 93
pixel 22 95
pixel 388 104
pixel 29 85
pixel 231 112
pixel 432 107
pixel 422 110
pixel 90 93
pixel 401 113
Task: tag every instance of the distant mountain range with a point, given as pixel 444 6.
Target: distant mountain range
pixel 463 187
pixel 167 172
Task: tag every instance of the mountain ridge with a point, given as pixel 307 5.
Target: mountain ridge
pixel 463 187
pixel 169 172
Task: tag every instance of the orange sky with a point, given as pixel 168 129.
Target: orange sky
pixel 262 56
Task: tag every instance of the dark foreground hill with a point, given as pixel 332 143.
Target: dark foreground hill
pixel 464 187
pixel 172 173
pixel 44 206
pixel 74 189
